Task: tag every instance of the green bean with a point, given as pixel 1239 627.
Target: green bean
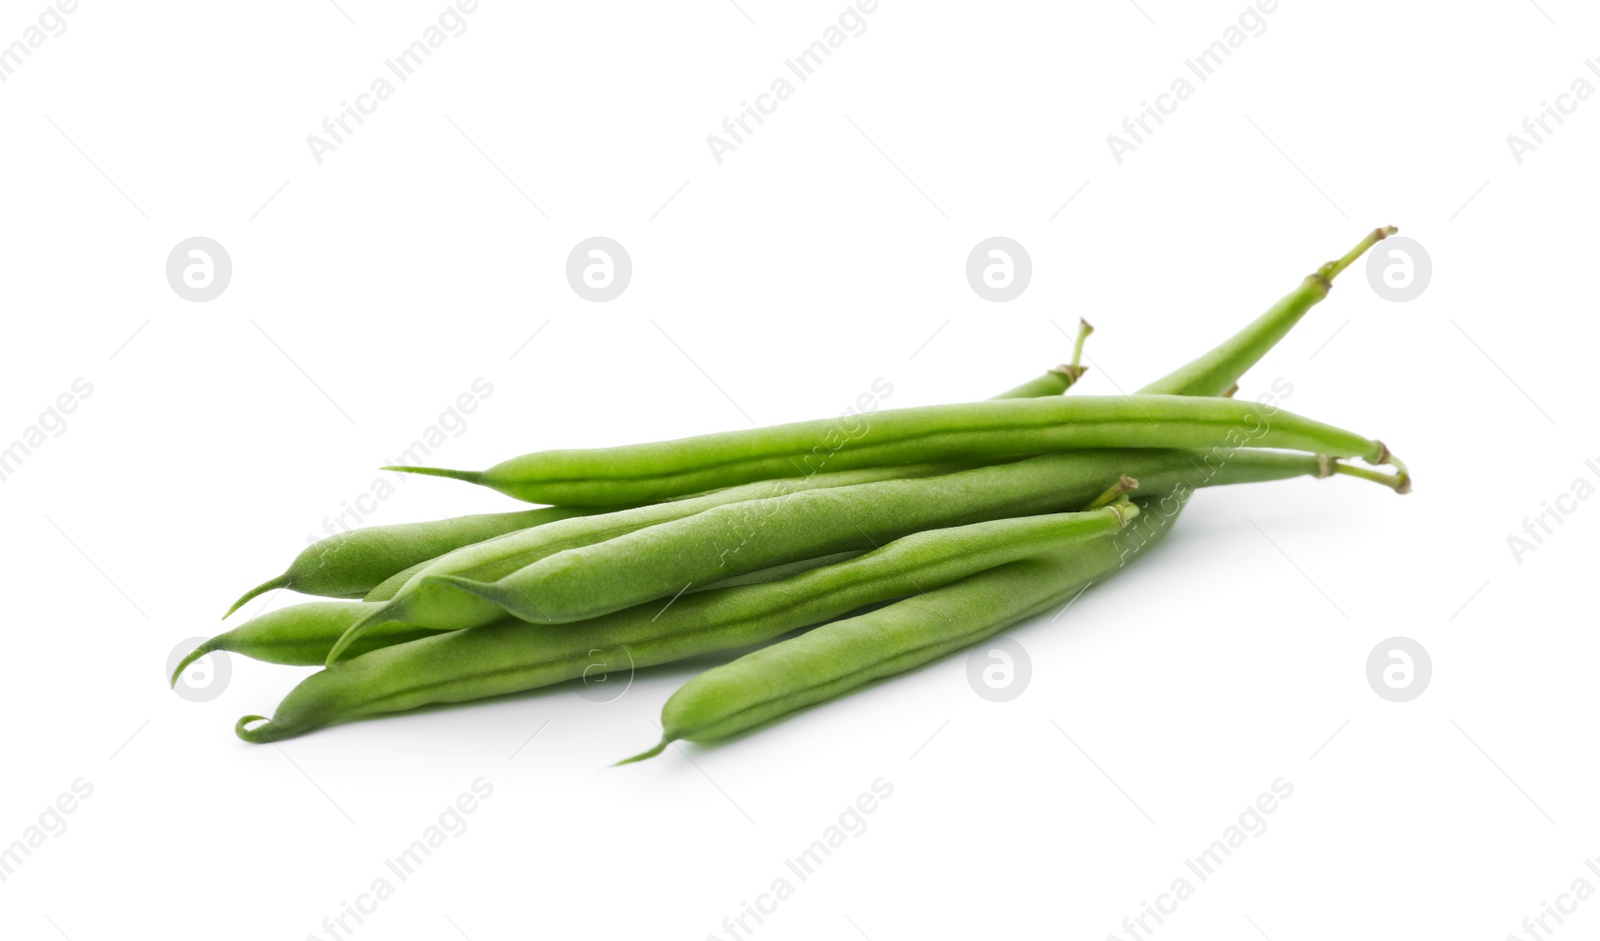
pixel 301 635
pixel 775 573
pixel 836 658
pixel 492 558
pixel 306 634
pixel 391 586
pixel 973 431
pixel 1054 382
pixel 840 657
pixel 510 656
pixel 663 560
pixel 1215 371
pixel 356 564
pixel 1059 379
pixel 350 564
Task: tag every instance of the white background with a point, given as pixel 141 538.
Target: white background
pixel 828 250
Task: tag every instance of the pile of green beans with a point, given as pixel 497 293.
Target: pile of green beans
pixel 896 538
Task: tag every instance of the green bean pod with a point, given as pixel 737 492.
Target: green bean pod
pixel 1215 371
pixel 372 563
pixel 511 656
pixel 391 586
pixel 301 635
pixel 974 431
pixel 350 564
pixel 434 604
pixel 1053 382
pixel 837 658
pixel 1057 380
pixel 664 560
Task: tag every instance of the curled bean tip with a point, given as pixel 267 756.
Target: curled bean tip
pixel 281 581
pixel 257 735
pixel 193 655
pixel 658 749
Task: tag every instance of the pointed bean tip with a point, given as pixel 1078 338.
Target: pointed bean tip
pixel 383 611
pixel 470 477
pixel 279 581
pixel 651 753
pixel 340 646
pixel 192 656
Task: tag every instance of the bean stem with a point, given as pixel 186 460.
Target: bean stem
pixel 1059 379
pixel 1124 486
pixel 1214 372
pixel 1399 483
